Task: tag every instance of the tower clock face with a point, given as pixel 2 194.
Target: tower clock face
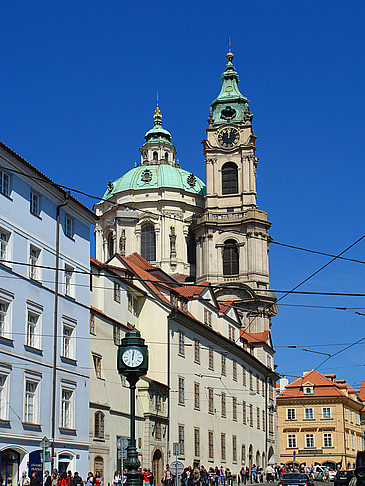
pixel 228 137
pixel 132 357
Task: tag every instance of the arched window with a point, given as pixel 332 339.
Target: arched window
pixel 148 243
pixel 110 245
pixel 230 258
pixel 166 156
pixel 155 156
pixel 99 425
pixel 229 178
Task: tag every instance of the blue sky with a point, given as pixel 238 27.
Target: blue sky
pixel 78 89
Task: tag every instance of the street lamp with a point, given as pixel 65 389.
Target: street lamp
pixel 132 362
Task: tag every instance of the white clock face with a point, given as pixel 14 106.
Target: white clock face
pixel 132 357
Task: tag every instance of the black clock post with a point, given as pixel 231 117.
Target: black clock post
pixel 132 362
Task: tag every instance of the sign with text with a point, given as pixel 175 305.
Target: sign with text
pixel 35 464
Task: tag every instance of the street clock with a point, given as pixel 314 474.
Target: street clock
pixel 132 359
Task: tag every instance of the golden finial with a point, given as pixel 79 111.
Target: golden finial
pixel 229 55
pixel 157 115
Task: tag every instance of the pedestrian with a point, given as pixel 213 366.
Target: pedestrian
pixel 76 480
pixel 34 480
pixel 146 477
pixel 24 480
pixel 167 476
pixel 98 481
pixel 204 476
pixel 196 477
pixel 90 479
pixel 47 478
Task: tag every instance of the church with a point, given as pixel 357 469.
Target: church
pixel 192 261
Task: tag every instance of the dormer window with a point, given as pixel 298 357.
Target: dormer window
pixel 308 390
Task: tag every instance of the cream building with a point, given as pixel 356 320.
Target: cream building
pixel 115 306
pixel 319 422
pixel 209 345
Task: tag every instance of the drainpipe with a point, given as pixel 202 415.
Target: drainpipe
pixel 344 435
pixel 55 329
pixel 168 388
pixel 266 422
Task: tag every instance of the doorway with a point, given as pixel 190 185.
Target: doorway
pixel 10 462
pixel 157 467
pixel 64 463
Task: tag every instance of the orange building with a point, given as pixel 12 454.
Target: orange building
pixel 319 421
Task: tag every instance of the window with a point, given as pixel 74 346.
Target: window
pixel 244 415
pixel 230 258
pixel 309 440
pixel 210 400
pixel 263 387
pixel 34 254
pixel 290 414
pixel 196 396
pixel 308 413
pixel 68 340
pixel 263 420
pixel 181 391
pixel 148 243
pixel 110 245
pixel 271 423
pixel 181 435
pixel 117 292
pixel 257 384
pixel 158 434
pixel 234 366
pixel 207 317
pixel 132 303
pixel 116 334
pixel 243 454
pixel 35 206
pixel 4 183
pixel 155 156
pixel 67 418
pixel 231 333
pixel 327 440
pixel 347 440
pixel 271 390
pixel 326 412
pixel 269 361
pixel 4 317
pixel 4 245
pixel 97 365
pixel 92 324
pixel 99 425
pixel 158 402
pixel 251 415
pixel 258 417
pixel 210 444
pixel 351 419
pixel 243 376
pixel 196 442
pixel 229 178
pixel 196 351
pixel 308 390
pixel 234 448
pixel 69 226
pixel 181 344
pixel 251 381
pixel 4 380
pixel 166 156
pixel 292 441
pixel 223 400
pixel 31 402
pixel 234 409
pixel 224 372
pixel 32 331
pixel 68 280
pixel 223 447
pixel 345 412
pixel 357 416
pixel 211 359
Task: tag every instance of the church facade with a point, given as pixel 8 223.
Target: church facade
pixel 199 255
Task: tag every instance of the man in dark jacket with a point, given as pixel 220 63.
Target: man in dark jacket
pixel 47 478
pixel 34 480
pixel 76 480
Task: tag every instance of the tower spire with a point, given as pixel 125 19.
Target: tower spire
pixel 157 116
pixel 229 55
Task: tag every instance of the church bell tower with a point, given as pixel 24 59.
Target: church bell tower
pixel 232 233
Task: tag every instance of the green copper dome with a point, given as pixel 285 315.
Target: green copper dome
pixel 156 176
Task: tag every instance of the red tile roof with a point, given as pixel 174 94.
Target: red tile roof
pixel 224 306
pixel 322 386
pixel 255 337
pixel 191 290
pixel 362 392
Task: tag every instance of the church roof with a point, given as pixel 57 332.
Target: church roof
pixel 156 176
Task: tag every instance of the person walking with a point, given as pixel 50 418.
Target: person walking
pixel 24 480
pixel 47 478
pixel 34 480
pixel 167 476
